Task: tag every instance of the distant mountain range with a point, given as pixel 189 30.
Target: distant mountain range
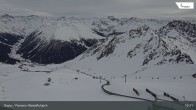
pixel 97 42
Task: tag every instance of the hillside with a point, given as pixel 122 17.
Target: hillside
pixel 139 49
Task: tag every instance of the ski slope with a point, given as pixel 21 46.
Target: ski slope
pixel 17 85
pixel 175 80
pixel 67 85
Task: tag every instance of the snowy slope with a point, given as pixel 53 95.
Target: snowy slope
pixel 17 85
pixel 67 31
pixel 21 25
pixel 67 85
pixel 136 50
pixel 109 25
pixel 174 82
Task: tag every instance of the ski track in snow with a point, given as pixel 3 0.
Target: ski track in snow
pixel 63 83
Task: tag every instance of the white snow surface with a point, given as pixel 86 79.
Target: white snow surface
pixel 17 85
pixel 67 31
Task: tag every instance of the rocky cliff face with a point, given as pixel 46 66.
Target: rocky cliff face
pixel 142 47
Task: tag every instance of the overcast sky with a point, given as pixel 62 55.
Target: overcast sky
pixel 96 8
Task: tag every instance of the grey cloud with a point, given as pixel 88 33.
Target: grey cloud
pixel 86 8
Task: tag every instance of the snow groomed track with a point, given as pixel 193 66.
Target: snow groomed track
pixel 117 94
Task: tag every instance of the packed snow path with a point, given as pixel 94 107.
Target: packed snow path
pixel 117 94
pixel 142 99
pixel 112 93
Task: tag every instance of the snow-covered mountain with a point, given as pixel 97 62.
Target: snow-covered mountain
pixel 48 40
pixel 141 48
pixel 56 39
pixel 57 42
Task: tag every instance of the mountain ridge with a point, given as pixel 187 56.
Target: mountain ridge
pixel 138 48
pixel 54 38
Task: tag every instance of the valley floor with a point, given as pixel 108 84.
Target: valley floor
pixel 16 85
pixel 68 85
